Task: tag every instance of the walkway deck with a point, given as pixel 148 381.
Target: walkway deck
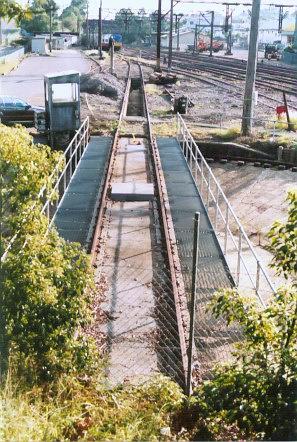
pixel 184 201
pixel 75 213
pixel 213 273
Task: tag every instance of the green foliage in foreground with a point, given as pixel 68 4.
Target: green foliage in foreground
pixel 44 296
pixel 88 410
pixel 10 9
pixel 255 396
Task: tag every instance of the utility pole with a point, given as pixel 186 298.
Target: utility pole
pixel 248 104
pixel 282 15
pixel 228 28
pixel 170 36
pixel 100 32
pixel 177 28
pixel 112 57
pixel 159 29
pixel 211 33
pixel 87 27
pixel 195 38
pixel 51 29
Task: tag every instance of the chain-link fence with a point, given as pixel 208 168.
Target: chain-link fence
pixel 139 320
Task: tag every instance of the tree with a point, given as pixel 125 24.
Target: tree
pixel 254 397
pixel 40 16
pixel 135 26
pixel 11 9
pixel 74 15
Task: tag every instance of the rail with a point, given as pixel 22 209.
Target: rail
pixel 245 266
pixel 96 234
pixel 170 241
pixel 61 179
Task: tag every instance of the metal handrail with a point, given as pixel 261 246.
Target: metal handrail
pixel 73 153
pixel 197 163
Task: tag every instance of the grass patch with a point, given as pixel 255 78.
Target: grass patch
pixel 161 112
pixel 165 129
pixel 283 125
pixel 103 127
pixel 5 68
pixel 153 89
pixel 88 409
pixel 226 134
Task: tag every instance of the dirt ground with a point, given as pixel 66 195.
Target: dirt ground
pixel 214 105
pixel 104 110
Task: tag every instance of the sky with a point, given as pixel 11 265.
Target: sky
pixel 110 6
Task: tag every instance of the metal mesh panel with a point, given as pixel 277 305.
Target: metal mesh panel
pixel 213 339
pixel 140 325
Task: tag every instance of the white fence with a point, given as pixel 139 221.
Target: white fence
pixel 247 271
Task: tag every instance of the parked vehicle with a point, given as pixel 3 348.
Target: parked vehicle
pixel 203 45
pixel 16 111
pixel 271 52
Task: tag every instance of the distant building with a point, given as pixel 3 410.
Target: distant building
pixel 191 20
pixel 185 38
pixel 268 26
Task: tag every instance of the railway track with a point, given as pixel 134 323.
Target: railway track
pixel 134 252
pixel 188 65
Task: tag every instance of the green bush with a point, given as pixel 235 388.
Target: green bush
pixel 45 296
pixel 255 396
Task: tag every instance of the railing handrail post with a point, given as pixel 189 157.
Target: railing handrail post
pixel 229 210
pixel 193 301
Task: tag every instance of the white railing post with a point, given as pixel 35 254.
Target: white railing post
pixel 81 145
pixel 239 257
pixel 70 160
pixel 196 163
pixel 217 206
pixel 226 229
pixel 191 150
pixel 208 190
pixel 75 152
pixel 64 180
pixel 178 127
pixel 258 276
pixel 202 177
